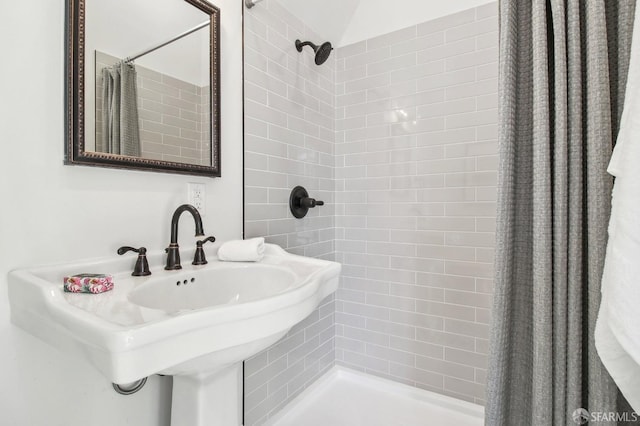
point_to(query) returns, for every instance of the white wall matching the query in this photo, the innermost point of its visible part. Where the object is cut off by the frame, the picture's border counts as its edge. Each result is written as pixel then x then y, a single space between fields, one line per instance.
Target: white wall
pixel 52 213
pixel 368 21
pixel 343 22
pixel 327 18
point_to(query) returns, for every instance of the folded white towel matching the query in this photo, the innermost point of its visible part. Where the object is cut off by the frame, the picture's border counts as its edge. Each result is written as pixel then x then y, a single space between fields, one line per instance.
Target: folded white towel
pixel 617 334
pixel 251 250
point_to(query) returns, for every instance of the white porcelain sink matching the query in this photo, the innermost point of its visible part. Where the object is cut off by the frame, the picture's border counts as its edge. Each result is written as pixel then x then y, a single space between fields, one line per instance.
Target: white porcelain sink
pixel 195 322
pixel 232 284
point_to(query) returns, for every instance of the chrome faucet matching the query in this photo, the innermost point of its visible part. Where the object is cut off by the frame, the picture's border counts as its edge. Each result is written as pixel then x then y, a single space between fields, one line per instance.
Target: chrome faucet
pixel 173 251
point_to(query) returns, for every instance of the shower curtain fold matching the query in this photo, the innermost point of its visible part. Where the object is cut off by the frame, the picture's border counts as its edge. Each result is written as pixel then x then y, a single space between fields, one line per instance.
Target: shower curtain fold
pixel 563 68
pixel 120 129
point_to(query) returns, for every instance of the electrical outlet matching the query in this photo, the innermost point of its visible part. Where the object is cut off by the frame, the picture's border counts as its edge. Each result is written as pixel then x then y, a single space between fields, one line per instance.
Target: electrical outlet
pixel 196 196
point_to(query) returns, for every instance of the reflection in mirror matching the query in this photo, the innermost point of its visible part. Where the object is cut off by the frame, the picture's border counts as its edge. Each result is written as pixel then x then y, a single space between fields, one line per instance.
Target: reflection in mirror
pixel 117 129
pixel 150 74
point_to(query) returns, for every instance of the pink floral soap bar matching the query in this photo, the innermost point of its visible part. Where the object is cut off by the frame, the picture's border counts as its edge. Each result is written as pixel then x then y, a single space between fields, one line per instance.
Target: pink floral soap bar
pixel 88 283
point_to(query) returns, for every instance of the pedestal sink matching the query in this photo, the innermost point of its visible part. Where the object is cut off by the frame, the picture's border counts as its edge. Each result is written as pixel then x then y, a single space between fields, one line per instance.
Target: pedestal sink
pixel 196 324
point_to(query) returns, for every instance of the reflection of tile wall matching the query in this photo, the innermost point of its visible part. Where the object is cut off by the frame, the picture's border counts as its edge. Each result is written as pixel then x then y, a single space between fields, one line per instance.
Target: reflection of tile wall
pixel 416 149
pixel 289 139
pixel 171 114
pixel 205 135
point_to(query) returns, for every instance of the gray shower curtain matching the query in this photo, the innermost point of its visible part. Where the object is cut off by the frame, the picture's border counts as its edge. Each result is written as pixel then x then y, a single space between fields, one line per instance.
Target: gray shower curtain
pixel 563 70
pixel 120 130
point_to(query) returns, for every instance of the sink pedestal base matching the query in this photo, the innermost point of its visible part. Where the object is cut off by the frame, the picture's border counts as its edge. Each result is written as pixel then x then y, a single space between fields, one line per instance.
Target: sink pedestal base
pixel 208 399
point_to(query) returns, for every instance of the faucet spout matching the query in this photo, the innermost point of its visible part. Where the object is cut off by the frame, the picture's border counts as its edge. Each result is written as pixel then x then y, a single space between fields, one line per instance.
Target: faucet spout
pixel 176 216
pixel 173 251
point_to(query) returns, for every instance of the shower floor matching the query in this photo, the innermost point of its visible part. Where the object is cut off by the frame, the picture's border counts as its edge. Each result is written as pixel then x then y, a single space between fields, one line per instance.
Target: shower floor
pixel 345 397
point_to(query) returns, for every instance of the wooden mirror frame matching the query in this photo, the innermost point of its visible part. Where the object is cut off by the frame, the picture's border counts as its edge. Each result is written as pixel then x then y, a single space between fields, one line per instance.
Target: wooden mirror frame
pixel 75 153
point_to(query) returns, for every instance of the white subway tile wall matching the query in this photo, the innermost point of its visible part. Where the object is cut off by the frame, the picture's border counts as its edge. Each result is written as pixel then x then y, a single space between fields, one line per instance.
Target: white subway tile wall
pixel 416 174
pixel 173 115
pixel 289 141
pixel 398 134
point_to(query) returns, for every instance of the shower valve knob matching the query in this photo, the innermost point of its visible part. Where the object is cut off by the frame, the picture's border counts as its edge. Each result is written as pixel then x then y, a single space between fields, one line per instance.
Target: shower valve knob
pixel 300 202
pixel 310 202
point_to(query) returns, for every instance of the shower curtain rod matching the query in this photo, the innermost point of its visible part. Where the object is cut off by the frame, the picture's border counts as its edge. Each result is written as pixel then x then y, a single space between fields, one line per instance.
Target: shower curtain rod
pixel 178 37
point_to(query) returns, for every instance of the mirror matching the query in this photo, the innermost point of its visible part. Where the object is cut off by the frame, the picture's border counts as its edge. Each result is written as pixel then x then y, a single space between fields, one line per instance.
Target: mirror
pixel 143 85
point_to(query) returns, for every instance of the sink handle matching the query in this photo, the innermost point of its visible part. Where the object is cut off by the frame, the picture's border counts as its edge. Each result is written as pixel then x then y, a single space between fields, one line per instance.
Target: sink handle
pixel 141 268
pixel 199 258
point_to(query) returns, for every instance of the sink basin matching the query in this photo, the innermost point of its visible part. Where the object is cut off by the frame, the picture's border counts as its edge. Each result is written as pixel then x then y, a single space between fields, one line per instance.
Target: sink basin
pixel 227 284
pixel 193 322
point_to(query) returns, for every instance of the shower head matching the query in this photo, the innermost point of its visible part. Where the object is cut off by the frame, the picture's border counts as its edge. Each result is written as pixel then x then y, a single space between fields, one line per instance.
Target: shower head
pixel 322 52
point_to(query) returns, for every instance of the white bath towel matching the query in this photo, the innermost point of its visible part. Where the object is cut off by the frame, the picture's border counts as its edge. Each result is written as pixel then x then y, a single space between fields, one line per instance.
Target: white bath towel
pixel 251 250
pixel 618 326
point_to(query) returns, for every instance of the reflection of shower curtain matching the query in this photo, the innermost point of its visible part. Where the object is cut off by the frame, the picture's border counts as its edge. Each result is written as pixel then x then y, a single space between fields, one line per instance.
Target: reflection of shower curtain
pixel 120 132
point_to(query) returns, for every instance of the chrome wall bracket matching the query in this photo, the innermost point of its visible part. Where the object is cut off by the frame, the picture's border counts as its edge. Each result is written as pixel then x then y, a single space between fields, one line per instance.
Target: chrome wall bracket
pixel 251 3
